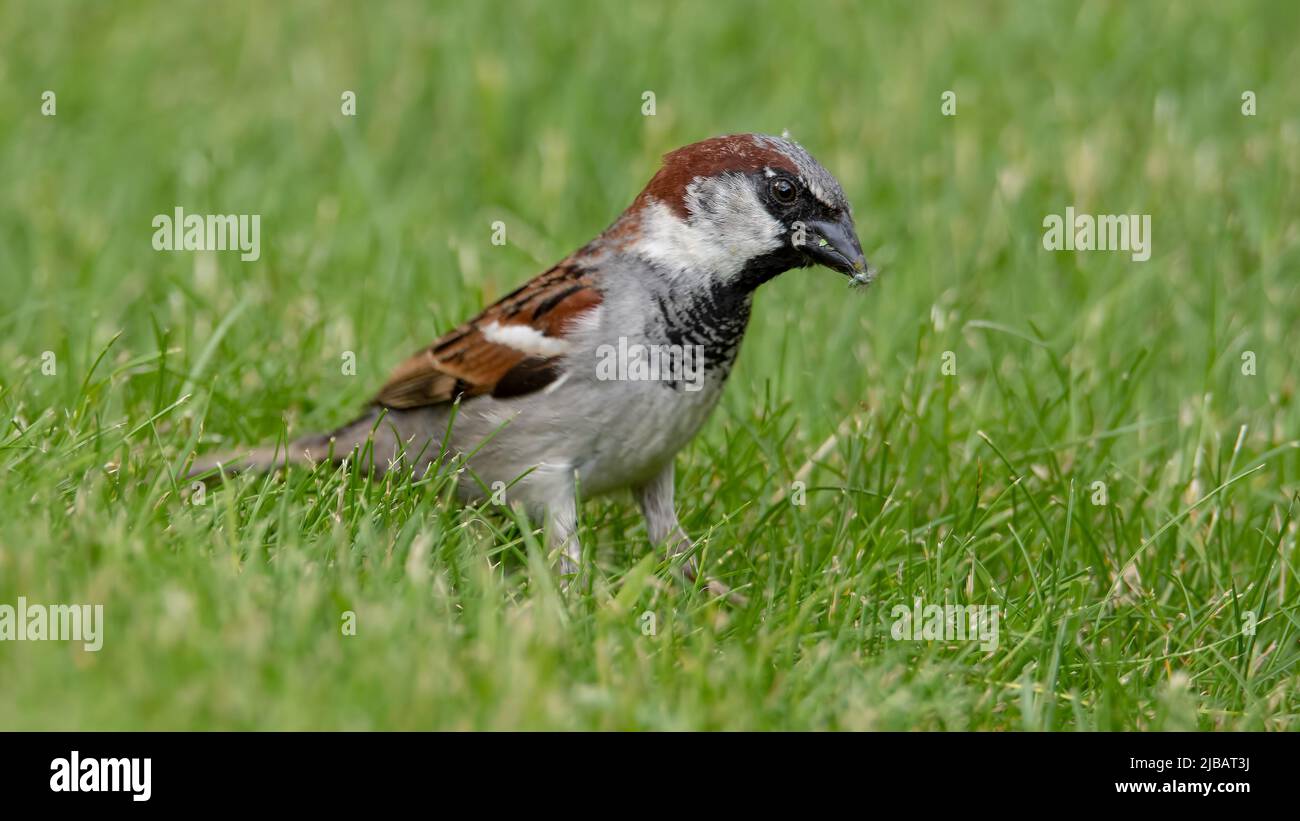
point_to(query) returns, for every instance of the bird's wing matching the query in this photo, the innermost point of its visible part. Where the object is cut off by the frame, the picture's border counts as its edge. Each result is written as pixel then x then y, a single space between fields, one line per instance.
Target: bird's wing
pixel 510 349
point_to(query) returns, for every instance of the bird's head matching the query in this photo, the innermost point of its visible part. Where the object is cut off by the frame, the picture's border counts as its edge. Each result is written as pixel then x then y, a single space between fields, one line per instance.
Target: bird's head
pixel 738 210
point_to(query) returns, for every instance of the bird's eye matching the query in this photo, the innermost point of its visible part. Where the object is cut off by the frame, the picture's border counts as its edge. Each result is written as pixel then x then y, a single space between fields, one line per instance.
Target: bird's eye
pixel 784 191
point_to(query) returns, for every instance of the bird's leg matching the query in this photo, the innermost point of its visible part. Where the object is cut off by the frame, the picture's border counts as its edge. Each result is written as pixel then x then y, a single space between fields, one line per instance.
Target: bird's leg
pixel 655 498
pixel 562 535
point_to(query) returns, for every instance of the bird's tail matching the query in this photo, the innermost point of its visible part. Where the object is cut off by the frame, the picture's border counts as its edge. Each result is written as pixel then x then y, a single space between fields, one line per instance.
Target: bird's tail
pixel 377 440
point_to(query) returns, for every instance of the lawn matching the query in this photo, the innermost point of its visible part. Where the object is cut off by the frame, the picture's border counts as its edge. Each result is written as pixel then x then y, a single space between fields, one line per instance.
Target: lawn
pixel 1104 449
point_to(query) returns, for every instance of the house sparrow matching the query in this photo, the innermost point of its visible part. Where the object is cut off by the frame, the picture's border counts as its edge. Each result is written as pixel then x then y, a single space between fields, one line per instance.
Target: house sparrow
pixel 550 391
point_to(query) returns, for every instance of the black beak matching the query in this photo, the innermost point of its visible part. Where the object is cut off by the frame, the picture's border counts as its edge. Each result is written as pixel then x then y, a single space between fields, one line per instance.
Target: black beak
pixel 836 245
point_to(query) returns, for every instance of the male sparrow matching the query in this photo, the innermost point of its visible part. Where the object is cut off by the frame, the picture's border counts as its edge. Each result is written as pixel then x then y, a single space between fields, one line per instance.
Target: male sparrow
pixel 527 393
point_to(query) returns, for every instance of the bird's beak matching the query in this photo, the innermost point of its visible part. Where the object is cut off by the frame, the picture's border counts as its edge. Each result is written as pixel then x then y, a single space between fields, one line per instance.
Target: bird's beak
pixel 836 245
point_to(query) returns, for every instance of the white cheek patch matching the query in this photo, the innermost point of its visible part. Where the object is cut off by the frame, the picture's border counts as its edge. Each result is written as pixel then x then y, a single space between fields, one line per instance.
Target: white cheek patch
pixel 525 339
pixel 728 226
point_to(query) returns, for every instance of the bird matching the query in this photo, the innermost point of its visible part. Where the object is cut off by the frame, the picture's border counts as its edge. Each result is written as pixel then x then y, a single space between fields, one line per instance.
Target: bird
pixel 553 391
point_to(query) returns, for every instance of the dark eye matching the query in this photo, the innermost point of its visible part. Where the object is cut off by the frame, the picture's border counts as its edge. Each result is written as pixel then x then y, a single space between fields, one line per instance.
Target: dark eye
pixel 784 191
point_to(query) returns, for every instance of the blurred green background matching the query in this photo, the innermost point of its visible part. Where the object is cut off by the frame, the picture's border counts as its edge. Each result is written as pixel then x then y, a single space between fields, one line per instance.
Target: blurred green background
pixel 375 231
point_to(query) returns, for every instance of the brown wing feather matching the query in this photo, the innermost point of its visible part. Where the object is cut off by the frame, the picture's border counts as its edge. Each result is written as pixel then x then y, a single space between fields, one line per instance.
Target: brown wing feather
pixel 465 363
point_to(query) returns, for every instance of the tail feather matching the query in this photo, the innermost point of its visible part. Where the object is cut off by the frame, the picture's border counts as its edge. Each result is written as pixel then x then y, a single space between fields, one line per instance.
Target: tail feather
pixel 244 460
pixel 379 438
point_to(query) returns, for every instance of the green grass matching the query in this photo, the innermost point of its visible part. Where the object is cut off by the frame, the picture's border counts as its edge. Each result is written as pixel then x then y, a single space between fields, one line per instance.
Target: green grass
pixel 968 488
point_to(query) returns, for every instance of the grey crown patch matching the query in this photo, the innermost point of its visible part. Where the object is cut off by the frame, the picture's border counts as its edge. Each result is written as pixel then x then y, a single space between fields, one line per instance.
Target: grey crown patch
pixel 820 182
